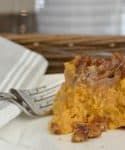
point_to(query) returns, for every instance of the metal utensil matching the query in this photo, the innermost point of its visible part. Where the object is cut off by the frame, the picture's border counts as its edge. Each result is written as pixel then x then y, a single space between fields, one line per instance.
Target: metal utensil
pixel 33 102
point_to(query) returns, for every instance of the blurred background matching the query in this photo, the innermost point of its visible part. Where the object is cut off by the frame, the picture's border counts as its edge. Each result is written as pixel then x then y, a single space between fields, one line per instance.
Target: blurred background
pixel 63 16
pixel 36 23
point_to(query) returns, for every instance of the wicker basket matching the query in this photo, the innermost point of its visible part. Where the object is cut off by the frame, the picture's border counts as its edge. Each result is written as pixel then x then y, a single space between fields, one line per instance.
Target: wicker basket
pixel 61 48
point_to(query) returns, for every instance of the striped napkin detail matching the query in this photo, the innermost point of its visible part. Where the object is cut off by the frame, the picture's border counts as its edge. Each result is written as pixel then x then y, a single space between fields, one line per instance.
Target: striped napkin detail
pixel 24 70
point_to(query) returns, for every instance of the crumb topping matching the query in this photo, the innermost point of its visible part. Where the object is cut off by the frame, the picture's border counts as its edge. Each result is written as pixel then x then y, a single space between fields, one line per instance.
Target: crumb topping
pixel 96 71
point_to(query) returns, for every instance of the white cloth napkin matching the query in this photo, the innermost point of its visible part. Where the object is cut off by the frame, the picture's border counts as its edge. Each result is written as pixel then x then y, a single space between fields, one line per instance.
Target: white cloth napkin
pixel 19 68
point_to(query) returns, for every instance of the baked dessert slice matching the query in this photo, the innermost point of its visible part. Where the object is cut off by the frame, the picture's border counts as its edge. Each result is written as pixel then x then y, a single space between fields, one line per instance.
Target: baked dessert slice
pixel 92 98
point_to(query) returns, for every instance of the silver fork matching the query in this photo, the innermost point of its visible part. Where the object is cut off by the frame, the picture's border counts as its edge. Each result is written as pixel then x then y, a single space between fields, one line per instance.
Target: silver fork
pixel 33 102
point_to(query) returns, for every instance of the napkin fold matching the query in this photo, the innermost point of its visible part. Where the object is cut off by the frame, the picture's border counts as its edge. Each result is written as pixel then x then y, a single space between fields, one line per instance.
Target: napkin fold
pixel 19 68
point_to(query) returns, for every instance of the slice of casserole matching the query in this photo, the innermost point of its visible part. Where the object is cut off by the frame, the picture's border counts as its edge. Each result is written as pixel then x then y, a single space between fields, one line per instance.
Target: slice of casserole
pixel 92 98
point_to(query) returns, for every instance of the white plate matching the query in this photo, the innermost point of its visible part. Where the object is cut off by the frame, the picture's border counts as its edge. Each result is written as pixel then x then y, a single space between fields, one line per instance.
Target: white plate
pixel 32 134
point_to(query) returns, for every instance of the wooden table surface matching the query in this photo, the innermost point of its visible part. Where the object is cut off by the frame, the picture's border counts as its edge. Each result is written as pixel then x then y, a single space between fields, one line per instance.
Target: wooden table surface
pixel 61 48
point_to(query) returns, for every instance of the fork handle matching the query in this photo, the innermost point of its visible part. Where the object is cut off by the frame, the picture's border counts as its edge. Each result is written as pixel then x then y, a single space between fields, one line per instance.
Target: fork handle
pixel 21 103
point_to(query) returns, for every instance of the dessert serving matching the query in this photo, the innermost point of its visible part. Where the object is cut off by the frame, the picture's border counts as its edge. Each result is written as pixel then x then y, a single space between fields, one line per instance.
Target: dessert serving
pixel 92 98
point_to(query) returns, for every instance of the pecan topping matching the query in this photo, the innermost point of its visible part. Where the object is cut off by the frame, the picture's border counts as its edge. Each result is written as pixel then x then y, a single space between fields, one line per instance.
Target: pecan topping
pixel 81 133
pixel 55 128
pixel 91 130
pixel 98 71
pixel 94 130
